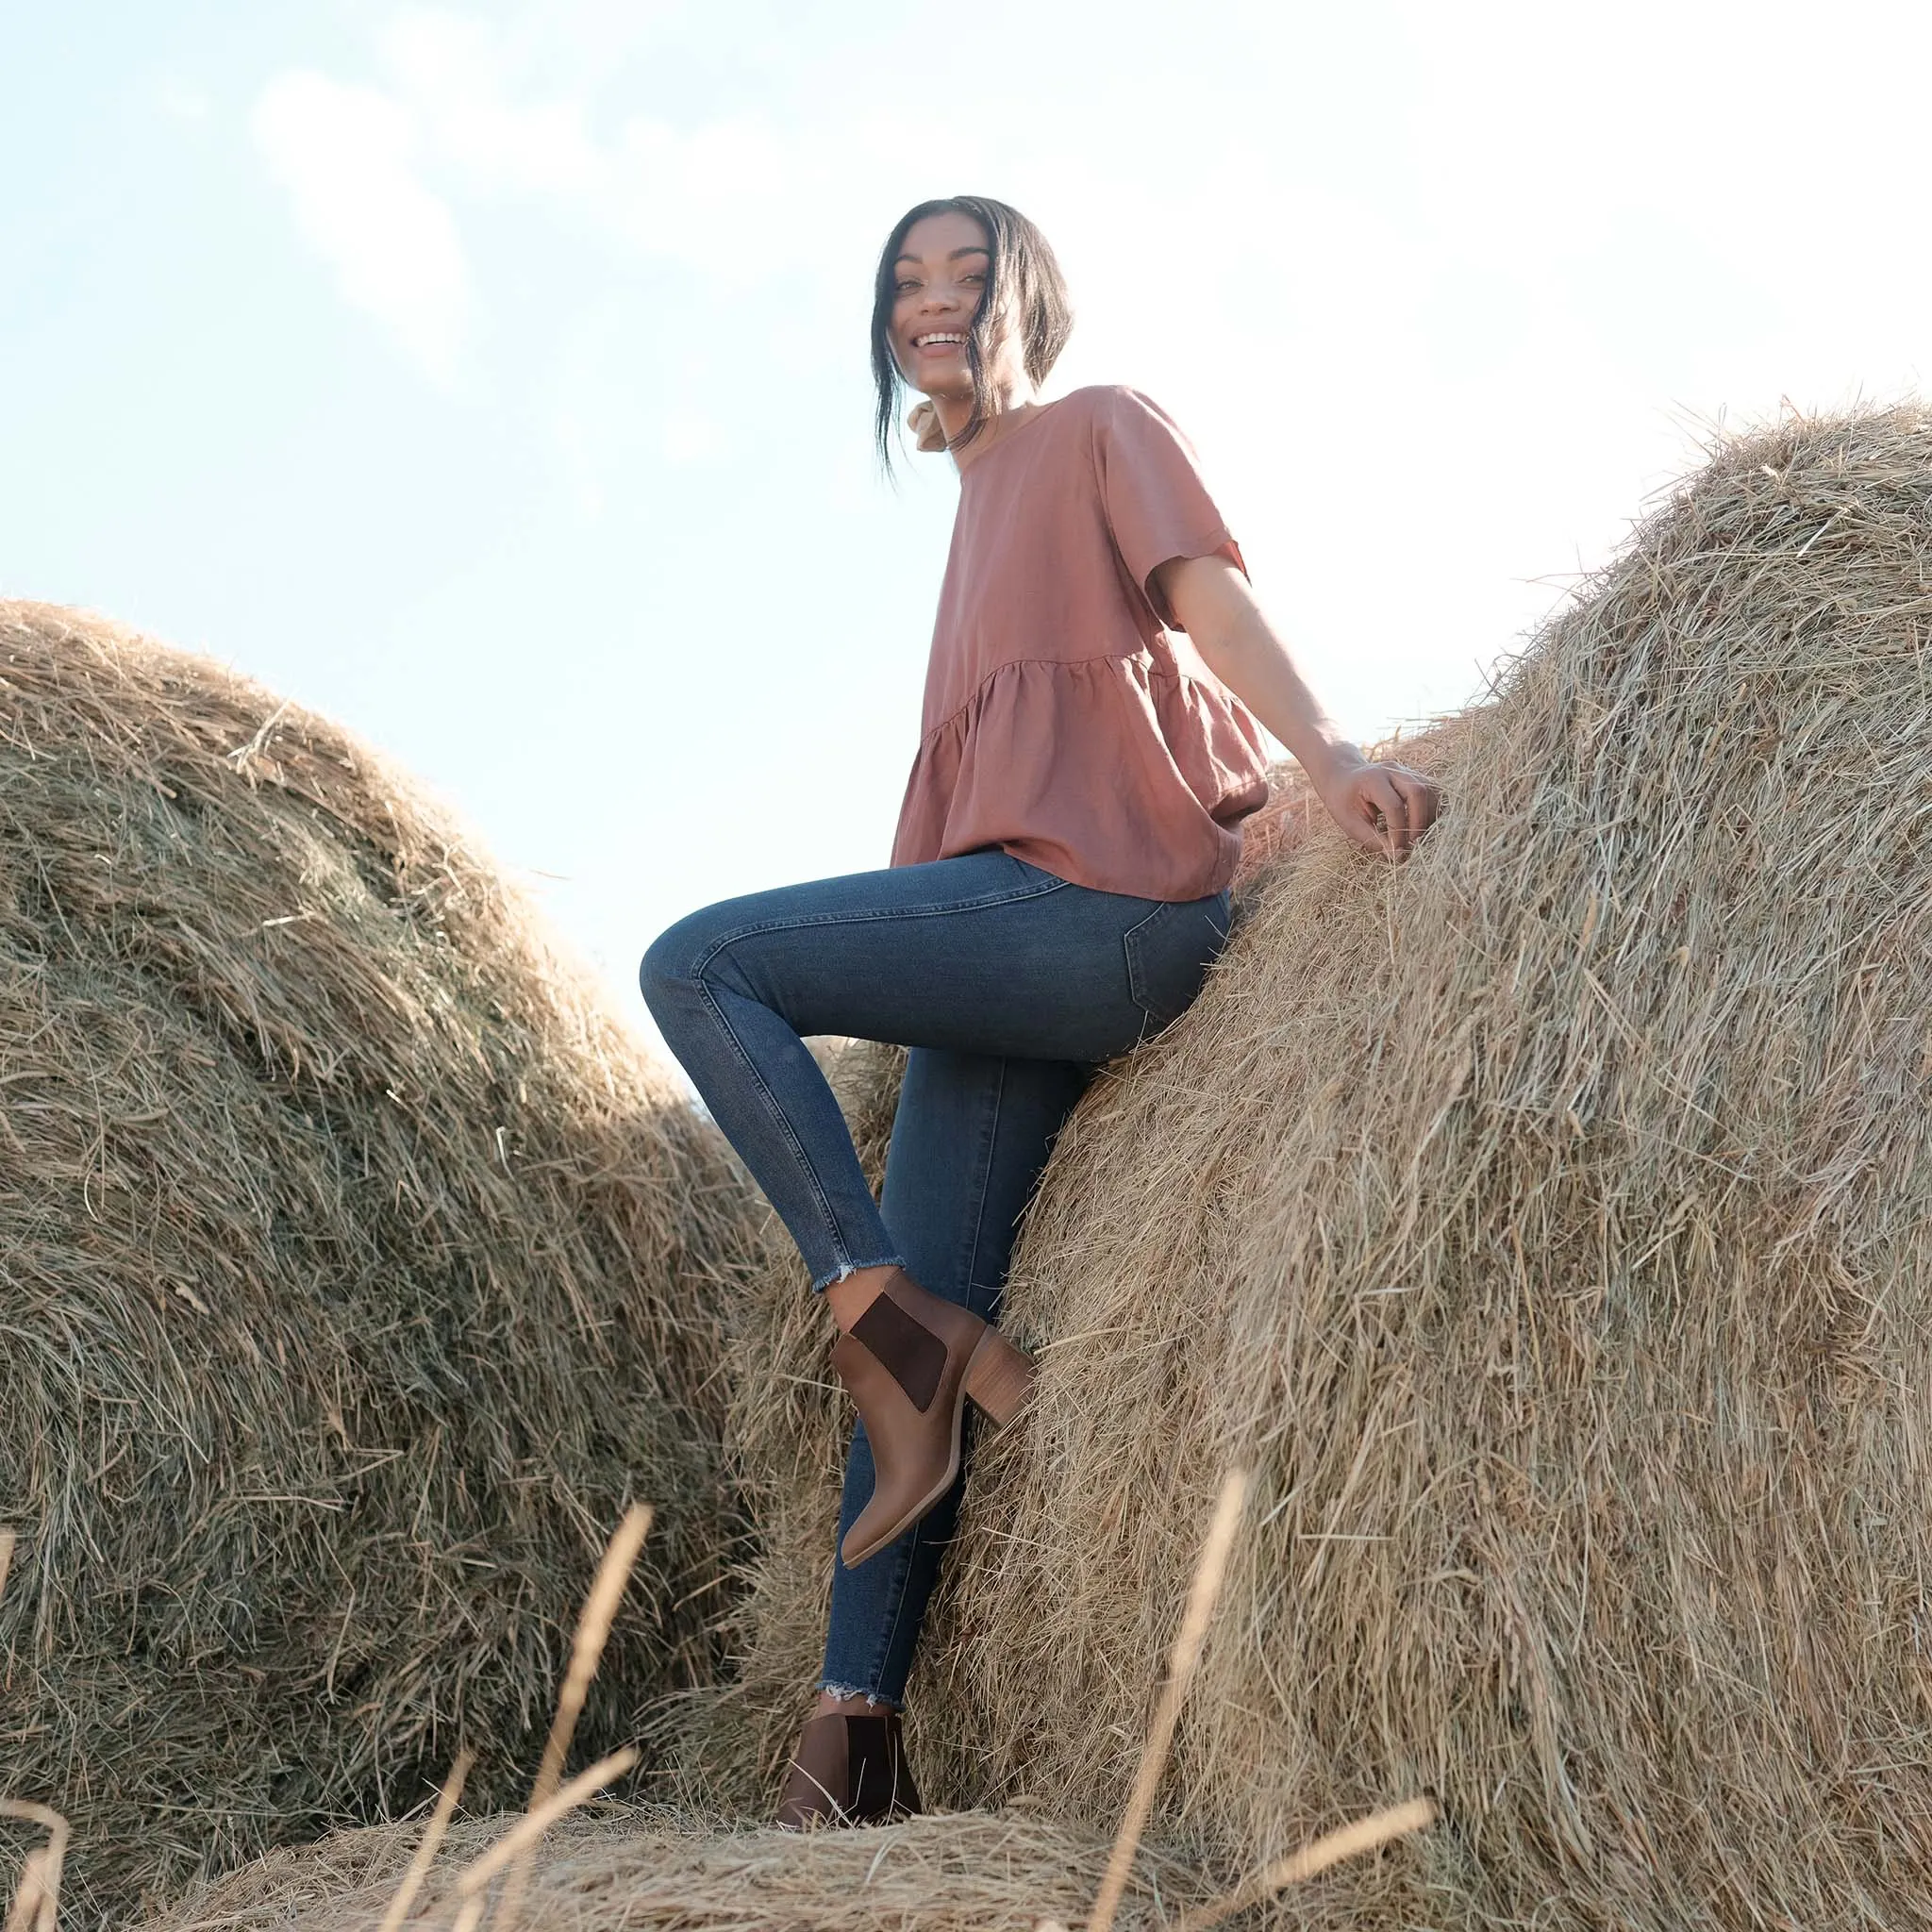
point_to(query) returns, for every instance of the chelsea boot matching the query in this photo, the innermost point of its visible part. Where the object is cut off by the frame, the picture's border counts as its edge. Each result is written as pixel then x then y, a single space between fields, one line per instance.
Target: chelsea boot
pixel 848 1771
pixel 911 1363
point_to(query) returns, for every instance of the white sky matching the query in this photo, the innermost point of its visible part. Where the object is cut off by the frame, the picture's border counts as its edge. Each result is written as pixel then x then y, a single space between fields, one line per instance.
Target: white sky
pixel 493 376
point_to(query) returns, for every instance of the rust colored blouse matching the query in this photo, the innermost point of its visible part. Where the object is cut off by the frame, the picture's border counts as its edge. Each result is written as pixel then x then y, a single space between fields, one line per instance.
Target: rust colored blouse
pixel 1068 721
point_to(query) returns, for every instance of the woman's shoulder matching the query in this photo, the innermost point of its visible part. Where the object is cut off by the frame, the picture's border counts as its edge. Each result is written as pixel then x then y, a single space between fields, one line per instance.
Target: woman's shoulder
pixel 1110 399
pixel 1117 413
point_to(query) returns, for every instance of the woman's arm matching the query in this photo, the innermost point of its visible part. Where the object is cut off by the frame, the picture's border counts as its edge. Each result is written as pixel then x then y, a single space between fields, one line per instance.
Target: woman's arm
pixel 1386 808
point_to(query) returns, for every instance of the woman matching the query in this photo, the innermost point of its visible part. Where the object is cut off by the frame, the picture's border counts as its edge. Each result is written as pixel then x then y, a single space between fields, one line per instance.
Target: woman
pixel 1058 886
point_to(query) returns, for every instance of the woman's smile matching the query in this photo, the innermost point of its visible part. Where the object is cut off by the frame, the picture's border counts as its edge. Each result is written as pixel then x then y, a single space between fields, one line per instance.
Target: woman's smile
pixel 939 281
pixel 938 344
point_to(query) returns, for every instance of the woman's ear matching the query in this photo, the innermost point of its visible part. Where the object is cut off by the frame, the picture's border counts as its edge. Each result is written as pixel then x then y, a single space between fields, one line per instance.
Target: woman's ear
pixel 924 423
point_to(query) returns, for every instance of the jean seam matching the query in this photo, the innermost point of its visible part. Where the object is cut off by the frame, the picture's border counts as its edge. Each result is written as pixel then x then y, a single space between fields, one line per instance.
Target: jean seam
pixel 988 1144
pixel 908 1549
pixel 778 1113
pixel 804 920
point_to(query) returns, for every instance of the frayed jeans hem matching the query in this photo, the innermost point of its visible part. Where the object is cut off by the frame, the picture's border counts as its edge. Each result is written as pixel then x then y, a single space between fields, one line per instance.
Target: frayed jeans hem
pixel 845 1268
pixel 846 1691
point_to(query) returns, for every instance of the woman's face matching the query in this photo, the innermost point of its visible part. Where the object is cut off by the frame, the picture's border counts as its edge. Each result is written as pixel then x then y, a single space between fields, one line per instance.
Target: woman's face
pixel 940 277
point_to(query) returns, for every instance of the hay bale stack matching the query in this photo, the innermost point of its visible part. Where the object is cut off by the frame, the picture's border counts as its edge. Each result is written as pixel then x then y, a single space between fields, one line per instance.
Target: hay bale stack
pixel 1550 1224
pixel 355 1269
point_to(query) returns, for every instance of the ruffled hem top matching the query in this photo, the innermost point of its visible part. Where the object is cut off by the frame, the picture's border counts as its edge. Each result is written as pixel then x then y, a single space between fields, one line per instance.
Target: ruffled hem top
pixel 1067 719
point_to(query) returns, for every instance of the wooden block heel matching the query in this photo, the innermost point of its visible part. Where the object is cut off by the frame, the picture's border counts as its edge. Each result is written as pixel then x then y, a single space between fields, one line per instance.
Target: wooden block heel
pixel 999 1377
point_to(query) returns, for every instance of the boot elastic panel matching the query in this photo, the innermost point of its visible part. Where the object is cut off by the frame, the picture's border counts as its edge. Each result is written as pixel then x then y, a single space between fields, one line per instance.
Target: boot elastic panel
pixel 848 1771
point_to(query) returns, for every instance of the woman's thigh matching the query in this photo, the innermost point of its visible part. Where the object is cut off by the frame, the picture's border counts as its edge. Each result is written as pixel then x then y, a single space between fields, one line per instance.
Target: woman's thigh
pixel 982 953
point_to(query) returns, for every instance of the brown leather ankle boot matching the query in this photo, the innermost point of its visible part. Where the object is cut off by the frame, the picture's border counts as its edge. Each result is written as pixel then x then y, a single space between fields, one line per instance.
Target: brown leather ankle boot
pixel 911 1361
pixel 848 1771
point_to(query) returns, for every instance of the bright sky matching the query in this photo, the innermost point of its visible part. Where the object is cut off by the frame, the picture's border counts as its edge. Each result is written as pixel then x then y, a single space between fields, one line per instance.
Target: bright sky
pixel 493 376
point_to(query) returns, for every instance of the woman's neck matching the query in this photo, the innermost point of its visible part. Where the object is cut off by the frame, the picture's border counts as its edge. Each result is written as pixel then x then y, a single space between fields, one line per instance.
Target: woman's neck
pixel 1010 408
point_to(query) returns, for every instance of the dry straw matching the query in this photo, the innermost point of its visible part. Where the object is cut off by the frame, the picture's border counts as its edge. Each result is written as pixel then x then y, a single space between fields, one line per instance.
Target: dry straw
pixel 446 1801
pixel 586 1654
pixel 651 1891
pixel 36 1906
pixel 643 1872
pixel 355 1265
pixel 1350 1841
pixel 1548 1218
pixel 534 1823
pixel 1201 1597
pixel 587 1649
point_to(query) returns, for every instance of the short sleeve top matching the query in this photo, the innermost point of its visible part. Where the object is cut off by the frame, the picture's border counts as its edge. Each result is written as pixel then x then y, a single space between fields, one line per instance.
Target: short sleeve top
pixel 1068 720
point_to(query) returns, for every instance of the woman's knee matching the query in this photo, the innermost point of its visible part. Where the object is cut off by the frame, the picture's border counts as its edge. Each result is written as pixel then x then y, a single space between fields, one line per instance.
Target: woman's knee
pixel 674 959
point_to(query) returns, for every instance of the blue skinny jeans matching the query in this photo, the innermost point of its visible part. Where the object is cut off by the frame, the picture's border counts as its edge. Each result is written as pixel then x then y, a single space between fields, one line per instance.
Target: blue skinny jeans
pixel 1010 985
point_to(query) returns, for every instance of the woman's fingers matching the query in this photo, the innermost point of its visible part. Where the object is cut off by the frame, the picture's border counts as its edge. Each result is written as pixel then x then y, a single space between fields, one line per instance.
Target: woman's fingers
pixel 1361 815
pixel 1419 794
pixel 1385 799
pixel 1388 809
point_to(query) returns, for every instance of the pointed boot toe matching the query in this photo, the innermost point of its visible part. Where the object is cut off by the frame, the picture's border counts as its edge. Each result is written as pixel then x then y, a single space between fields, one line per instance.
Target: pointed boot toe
pixel 911 1362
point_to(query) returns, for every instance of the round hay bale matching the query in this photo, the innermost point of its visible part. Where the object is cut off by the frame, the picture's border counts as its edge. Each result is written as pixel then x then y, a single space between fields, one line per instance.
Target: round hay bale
pixel 1549 1224
pixel 653 1872
pixel 356 1271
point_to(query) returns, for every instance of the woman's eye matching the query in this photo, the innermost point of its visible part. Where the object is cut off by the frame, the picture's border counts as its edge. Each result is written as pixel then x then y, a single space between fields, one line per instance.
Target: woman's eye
pixel 907 287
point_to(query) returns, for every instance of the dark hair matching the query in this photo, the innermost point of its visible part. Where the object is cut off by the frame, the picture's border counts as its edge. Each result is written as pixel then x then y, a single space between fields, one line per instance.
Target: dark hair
pixel 1021 261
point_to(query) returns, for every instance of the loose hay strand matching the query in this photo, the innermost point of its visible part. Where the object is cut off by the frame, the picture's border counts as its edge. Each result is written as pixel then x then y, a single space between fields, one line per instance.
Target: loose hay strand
pixel 7 1539
pixel 532 1826
pixel 30 1896
pixel 1349 1841
pixel 587 1652
pixel 432 1838
pixel 37 1899
pixel 1209 1572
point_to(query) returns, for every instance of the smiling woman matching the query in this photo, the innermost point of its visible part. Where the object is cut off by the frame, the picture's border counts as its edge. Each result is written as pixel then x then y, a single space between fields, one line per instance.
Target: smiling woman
pixel 1092 742
pixel 939 264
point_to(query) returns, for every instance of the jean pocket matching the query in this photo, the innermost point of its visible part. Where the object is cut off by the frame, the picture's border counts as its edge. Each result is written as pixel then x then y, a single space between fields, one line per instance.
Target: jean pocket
pixel 1168 953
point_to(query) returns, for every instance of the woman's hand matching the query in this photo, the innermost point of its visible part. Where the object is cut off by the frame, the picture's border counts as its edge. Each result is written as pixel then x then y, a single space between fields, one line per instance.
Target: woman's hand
pixel 1384 807
pixel 925 424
